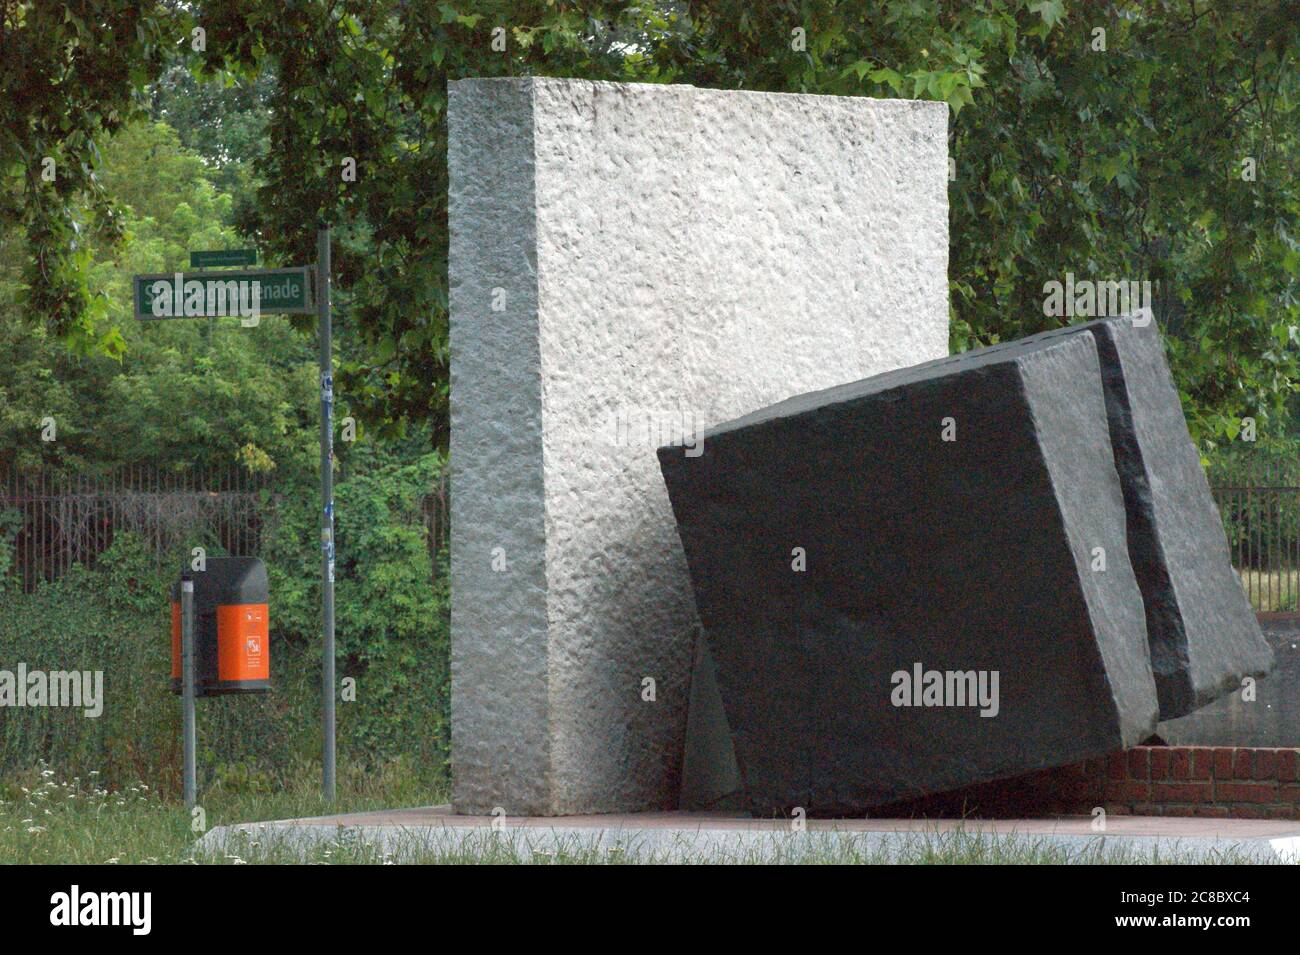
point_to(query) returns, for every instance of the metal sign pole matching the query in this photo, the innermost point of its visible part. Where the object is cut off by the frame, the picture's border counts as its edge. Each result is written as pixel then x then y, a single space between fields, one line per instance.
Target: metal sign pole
pixel 327 511
pixel 187 690
pixel 162 296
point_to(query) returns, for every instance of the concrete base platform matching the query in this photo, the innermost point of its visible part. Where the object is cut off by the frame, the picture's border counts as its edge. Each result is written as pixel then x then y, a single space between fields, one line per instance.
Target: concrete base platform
pixel 434 833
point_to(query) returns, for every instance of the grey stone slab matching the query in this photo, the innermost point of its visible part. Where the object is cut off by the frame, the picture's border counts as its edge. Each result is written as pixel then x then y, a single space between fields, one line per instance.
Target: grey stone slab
pixel 972 555
pixel 627 263
pixel 500 710
pixel 1203 634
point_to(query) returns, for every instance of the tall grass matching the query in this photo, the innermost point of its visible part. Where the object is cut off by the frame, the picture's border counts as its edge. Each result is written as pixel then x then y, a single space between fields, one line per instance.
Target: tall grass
pixel 51 819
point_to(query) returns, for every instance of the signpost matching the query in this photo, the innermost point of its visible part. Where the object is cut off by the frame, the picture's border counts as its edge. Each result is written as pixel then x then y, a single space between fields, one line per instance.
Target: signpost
pixel 219 258
pixel 327 511
pixel 234 292
pixel 245 293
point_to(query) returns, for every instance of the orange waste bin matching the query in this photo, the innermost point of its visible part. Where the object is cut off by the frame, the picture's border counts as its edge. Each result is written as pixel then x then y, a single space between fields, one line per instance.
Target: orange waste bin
pixel 231 620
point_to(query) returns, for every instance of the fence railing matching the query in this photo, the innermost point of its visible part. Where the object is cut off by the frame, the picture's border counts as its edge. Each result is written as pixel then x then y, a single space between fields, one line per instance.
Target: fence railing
pixel 1260 506
pixel 435 510
pixel 53 522
pixel 50 522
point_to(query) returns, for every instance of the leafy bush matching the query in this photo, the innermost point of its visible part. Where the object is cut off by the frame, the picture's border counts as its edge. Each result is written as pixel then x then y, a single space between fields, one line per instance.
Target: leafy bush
pixel 82 623
pixel 11 519
pixel 392 639
pixel 391 610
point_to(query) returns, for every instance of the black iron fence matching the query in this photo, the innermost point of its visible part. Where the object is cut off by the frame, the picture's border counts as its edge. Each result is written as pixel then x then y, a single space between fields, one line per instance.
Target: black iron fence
pixel 49 522
pixel 435 510
pixel 1260 506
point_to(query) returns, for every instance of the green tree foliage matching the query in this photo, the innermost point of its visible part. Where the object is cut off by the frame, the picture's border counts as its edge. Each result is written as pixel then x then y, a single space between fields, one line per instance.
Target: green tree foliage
pixel 391 609
pixel 223 121
pixel 189 394
pixel 69 73
pixel 1122 162
pixel 182 394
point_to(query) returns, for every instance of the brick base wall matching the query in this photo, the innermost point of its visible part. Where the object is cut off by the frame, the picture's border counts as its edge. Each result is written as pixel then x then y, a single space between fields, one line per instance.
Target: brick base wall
pixel 1213 781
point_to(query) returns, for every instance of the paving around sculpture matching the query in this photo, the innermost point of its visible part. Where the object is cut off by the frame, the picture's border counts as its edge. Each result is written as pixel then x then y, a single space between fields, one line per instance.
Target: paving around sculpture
pixel 437 833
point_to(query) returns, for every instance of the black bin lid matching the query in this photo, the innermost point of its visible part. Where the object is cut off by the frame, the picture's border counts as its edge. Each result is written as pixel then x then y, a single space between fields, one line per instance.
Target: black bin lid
pixel 226 581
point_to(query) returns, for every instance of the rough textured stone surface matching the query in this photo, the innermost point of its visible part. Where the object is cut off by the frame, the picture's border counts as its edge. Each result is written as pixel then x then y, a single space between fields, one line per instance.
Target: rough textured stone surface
pixel 968 555
pixel 1203 634
pixel 666 257
pixel 500 637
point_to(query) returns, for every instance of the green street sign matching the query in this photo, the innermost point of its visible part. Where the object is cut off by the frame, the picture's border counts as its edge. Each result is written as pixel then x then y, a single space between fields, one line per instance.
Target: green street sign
pixel 242 293
pixel 220 258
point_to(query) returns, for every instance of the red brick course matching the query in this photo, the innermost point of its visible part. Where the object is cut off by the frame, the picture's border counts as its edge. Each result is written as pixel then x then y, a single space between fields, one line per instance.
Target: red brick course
pixel 1213 782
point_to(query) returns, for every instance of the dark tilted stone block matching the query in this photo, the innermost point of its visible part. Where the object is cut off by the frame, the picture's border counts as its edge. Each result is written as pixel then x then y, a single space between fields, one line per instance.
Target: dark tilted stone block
pixel 972 556
pixel 1204 636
